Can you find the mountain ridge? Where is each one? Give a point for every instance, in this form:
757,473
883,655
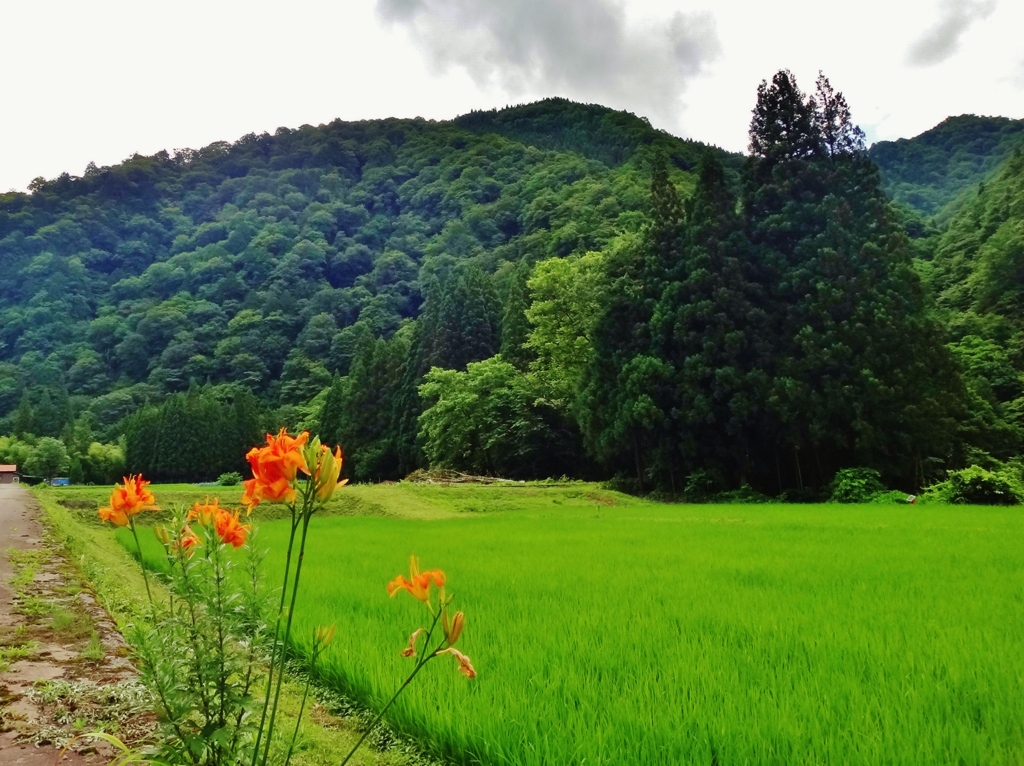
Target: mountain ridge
928,172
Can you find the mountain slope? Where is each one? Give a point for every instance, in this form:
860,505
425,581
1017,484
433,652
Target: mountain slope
931,170
977,274
264,261
979,259
594,131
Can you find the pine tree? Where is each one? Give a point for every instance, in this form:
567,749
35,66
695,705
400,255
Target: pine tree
848,317
24,418
332,414
708,329
623,405
515,328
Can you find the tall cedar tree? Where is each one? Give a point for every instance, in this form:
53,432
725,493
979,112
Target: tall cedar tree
515,329
459,319
853,344
359,409
458,325
172,441
708,328
621,405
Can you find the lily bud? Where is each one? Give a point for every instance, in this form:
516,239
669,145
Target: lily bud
328,468
324,635
162,534
453,631
311,456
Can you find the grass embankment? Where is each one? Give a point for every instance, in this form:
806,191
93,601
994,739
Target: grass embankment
608,630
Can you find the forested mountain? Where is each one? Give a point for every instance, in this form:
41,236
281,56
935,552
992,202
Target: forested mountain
593,131
262,262
549,289
977,274
931,170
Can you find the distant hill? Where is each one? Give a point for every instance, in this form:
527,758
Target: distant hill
262,262
931,170
594,131
978,266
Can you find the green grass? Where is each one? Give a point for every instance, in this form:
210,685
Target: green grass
408,501
11,654
94,649
71,623
609,631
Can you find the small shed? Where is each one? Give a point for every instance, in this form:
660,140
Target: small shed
8,474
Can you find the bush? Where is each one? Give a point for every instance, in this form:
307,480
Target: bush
978,486
890,497
702,484
48,458
805,495
102,464
855,485
230,479
623,483
745,495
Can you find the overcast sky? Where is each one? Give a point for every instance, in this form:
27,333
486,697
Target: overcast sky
98,80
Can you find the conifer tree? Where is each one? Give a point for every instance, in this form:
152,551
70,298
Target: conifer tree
622,405
848,318
24,417
708,328
515,328
329,422
834,123
460,322
406,405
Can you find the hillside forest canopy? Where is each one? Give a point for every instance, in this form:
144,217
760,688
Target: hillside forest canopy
545,290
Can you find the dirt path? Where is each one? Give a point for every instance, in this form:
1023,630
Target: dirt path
63,665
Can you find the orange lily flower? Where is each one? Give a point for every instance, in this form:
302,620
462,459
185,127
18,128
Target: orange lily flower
418,583
127,500
465,666
274,468
229,529
205,512
189,540
118,518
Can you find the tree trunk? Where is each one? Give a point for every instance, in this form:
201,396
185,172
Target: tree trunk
639,468
799,473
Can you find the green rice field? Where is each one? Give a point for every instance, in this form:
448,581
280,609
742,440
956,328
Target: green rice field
608,630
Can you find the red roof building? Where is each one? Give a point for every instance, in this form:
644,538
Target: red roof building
8,474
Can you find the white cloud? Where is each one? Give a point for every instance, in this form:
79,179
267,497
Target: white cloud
99,81
943,39
584,50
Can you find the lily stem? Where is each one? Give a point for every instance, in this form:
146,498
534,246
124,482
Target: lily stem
427,657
